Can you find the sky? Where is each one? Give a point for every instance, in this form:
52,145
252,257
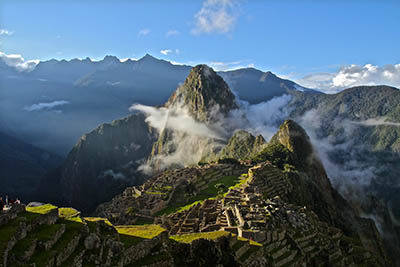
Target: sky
309,41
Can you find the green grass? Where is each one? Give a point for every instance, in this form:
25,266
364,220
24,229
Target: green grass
75,219
96,219
188,238
252,242
142,231
67,212
210,192
43,209
43,233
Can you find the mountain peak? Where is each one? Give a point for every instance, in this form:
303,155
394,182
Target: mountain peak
203,91
148,57
110,59
295,139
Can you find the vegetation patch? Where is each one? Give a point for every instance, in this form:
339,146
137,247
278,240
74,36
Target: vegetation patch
67,212
142,231
43,209
213,191
96,219
189,238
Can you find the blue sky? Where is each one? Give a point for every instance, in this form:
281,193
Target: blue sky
291,38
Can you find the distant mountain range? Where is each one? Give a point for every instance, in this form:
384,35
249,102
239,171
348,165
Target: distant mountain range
63,99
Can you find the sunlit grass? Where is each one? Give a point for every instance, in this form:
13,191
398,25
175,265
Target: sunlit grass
67,212
143,231
188,238
96,219
43,209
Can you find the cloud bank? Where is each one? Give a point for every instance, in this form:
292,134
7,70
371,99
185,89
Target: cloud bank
18,62
353,75
46,105
217,16
6,32
377,122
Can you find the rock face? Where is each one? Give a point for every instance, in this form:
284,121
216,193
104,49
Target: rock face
314,189
242,145
206,98
101,165
204,93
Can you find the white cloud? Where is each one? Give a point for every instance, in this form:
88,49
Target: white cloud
353,75
18,62
166,51
143,32
6,32
177,119
234,65
377,122
216,16
112,174
46,105
172,33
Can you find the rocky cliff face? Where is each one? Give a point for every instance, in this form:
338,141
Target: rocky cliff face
315,190
242,145
204,94
102,164
205,97
359,133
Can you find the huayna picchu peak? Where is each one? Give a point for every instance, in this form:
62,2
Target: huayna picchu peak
202,92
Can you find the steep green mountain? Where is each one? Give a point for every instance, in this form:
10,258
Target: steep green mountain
290,211
207,99
359,135
203,92
101,164
242,145
21,166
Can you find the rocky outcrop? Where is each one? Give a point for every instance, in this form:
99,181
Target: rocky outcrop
207,99
242,145
314,190
101,164
205,94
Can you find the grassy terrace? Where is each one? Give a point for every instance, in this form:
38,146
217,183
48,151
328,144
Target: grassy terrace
67,212
142,231
41,257
43,209
210,192
95,219
131,235
43,233
188,238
